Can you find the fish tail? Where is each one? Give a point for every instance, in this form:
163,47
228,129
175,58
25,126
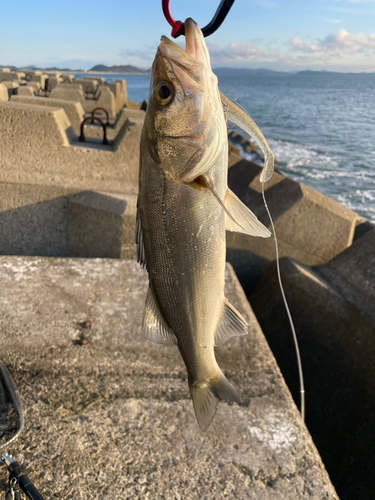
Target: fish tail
206,396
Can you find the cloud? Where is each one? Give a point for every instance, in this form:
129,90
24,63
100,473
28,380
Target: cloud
234,52
146,53
338,21
340,42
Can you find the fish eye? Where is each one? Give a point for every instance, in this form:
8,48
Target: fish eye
163,93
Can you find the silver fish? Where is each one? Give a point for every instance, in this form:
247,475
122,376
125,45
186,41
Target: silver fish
184,208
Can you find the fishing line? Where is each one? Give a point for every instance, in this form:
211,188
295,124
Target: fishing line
299,362
295,340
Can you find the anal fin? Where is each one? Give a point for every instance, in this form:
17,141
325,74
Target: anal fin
245,221
154,325
231,324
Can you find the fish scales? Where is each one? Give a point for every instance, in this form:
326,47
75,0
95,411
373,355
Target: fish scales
183,264
184,209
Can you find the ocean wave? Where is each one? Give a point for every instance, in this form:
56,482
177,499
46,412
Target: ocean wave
328,172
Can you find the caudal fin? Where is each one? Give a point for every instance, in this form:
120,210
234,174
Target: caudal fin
206,396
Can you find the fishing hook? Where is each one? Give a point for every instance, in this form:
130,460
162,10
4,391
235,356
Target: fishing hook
178,27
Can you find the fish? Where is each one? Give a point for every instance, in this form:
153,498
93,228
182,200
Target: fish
183,211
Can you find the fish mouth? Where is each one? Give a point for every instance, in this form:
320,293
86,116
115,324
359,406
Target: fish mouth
192,59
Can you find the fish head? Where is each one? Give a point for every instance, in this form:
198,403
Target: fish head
185,124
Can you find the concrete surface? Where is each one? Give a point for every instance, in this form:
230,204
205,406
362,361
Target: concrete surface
67,78
113,418
310,227
11,75
3,93
99,79
101,226
66,92
33,220
73,110
57,221
12,87
336,339
104,97
25,90
96,131
53,80
65,162
36,77
352,273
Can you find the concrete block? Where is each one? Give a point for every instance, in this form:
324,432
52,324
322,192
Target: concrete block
95,131
66,161
25,91
106,100
4,96
33,220
310,227
36,86
123,89
352,273
88,86
100,225
12,88
68,78
117,90
337,349
32,73
132,105
74,110
52,82
10,76
69,93
118,409
99,79
36,77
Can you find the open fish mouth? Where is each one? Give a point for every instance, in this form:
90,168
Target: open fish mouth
193,59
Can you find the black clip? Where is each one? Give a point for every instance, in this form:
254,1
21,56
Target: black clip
178,27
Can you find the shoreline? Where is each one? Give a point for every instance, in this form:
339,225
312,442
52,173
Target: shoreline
103,73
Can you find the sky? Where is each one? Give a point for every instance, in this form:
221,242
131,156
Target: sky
284,35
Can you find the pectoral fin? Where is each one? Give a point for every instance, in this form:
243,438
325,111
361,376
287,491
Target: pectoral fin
231,324
206,181
245,221
154,325
238,218
244,121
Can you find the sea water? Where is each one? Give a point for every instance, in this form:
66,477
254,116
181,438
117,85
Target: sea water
321,128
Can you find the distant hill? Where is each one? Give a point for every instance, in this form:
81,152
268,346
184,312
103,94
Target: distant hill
33,68
248,72
329,73
125,69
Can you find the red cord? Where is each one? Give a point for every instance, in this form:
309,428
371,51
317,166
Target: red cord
176,25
